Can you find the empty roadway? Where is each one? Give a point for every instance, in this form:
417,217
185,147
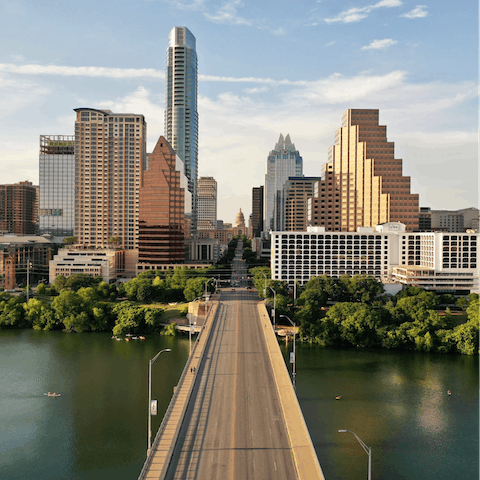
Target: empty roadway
233,427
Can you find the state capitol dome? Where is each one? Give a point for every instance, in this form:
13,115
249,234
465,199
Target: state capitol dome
240,220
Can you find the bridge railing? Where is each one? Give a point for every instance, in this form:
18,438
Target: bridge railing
169,411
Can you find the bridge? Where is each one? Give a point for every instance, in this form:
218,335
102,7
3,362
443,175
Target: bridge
237,416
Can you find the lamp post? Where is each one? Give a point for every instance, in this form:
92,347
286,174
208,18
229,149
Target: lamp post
294,373
29,264
368,451
265,287
206,299
274,306
190,329
150,397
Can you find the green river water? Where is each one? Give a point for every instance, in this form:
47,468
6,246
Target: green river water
395,401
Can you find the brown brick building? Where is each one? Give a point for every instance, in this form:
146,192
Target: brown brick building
162,208
19,208
362,183
296,192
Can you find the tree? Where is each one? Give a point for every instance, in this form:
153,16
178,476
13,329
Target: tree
465,337
472,310
59,283
70,240
145,291
195,288
79,280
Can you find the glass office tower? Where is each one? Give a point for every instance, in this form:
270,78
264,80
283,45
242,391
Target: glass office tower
284,161
57,185
181,116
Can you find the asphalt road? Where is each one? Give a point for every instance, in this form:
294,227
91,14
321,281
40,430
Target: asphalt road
233,427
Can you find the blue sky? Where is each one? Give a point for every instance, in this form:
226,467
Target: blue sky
265,67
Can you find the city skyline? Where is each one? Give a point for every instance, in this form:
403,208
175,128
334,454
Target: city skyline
263,70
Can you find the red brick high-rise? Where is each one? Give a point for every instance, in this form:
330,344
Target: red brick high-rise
19,208
162,207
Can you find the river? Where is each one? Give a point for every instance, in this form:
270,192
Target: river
396,402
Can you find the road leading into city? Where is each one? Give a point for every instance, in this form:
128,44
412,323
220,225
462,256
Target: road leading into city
233,427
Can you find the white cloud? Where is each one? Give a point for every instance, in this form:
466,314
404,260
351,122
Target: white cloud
424,120
418,12
17,94
105,72
341,89
228,14
186,5
380,44
356,14
256,90
34,69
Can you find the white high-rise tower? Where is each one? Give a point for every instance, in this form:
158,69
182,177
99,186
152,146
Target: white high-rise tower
284,161
181,116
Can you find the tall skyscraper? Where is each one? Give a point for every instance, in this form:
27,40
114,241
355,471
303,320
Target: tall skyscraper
57,185
257,212
164,198
19,208
362,183
207,204
181,115
283,161
110,158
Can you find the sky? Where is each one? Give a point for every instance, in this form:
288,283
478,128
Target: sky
265,67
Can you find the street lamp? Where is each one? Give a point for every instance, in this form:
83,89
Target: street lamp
206,299
190,328
265,288
150,407
368,451
274,306
294,373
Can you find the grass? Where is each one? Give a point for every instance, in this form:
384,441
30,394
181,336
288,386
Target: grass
173,311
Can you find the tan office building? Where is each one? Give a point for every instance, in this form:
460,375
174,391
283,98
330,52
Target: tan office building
207,203
362,183
110,159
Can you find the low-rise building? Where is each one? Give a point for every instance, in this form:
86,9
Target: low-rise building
387,252
108,263
19,253
143,267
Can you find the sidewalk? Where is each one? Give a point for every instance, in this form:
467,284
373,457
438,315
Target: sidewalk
304,455
156,464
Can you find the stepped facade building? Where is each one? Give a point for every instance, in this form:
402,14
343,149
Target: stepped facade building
362,183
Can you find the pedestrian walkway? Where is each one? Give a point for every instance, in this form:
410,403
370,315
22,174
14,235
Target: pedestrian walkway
157,459
305,457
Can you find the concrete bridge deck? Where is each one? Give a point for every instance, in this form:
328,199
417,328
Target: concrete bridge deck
238,416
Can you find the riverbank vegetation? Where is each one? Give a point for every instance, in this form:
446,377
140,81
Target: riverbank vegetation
82,303
354,312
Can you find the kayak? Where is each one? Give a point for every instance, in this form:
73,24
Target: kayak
52,394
